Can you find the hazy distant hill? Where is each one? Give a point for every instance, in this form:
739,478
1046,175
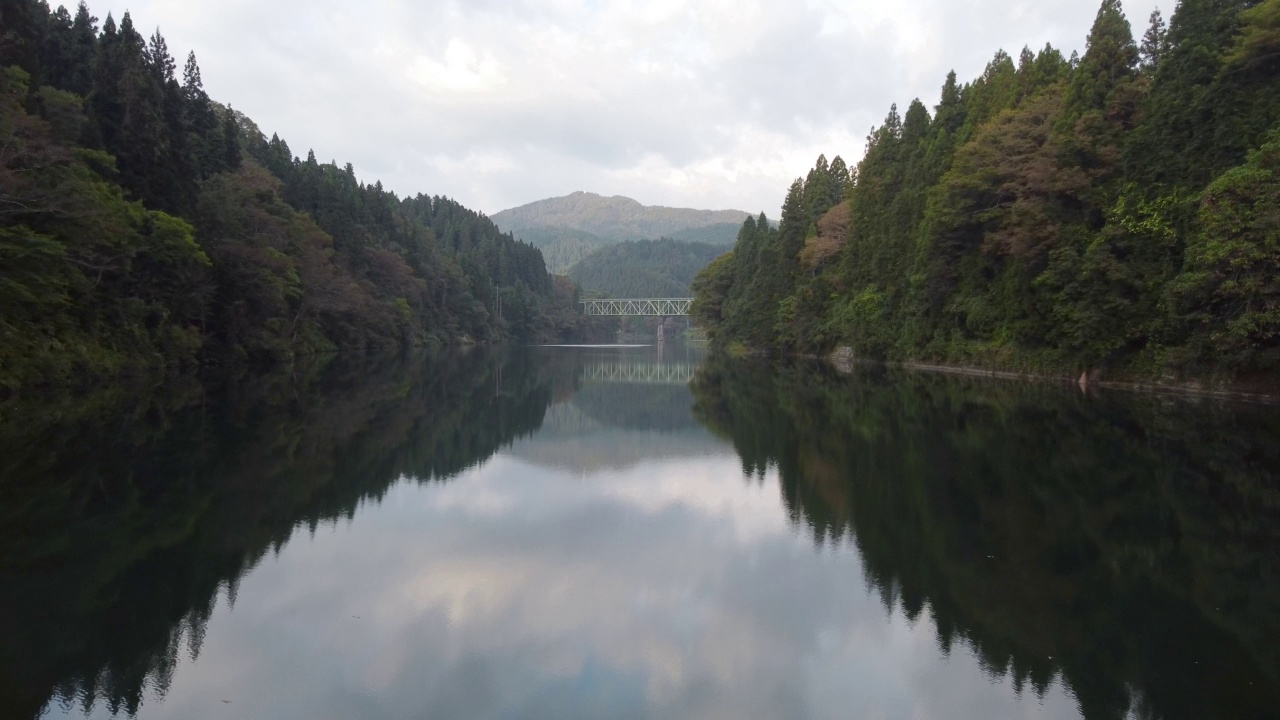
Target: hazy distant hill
612,218
569,228
644,268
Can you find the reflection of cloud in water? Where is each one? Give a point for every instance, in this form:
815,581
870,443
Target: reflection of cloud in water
572,438
671,589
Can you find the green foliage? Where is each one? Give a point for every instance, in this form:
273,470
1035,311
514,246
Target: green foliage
1113,211
711,289
718,234
91,282
143,225
562,247
644,268
1259,39
1155,43
1203,114
1110,60
1229,290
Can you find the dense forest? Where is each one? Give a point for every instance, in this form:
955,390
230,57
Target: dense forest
562,248
1114,211
643,268
142,224
718,234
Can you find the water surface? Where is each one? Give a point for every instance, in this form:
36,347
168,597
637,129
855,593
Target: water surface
634,533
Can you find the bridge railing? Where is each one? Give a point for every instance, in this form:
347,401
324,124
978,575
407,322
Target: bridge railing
638,307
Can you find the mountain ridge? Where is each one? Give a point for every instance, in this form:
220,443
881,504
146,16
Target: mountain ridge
615,217
571,227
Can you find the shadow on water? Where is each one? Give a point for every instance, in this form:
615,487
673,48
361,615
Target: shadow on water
1125,544
1128,544
124,513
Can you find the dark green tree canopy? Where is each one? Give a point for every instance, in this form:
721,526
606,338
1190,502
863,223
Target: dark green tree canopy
1112,211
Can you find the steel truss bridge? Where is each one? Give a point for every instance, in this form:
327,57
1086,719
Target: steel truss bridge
677,373
647,307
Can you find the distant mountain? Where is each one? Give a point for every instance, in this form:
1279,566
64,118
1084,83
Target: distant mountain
569,228
644,268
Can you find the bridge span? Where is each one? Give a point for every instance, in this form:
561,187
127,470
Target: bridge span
638,307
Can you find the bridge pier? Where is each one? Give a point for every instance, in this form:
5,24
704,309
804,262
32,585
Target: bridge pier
662,329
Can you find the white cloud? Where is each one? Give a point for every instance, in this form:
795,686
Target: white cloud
461,70
719,103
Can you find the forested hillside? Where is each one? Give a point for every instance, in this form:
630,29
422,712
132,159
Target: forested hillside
1119,210
569,228
561,247
644,268
613,218
142,224
718,234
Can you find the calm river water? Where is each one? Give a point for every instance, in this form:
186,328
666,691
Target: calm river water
563,533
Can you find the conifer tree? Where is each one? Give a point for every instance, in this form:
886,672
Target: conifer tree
57,58
1200,120
1108,62
22,29
202,122
1155,43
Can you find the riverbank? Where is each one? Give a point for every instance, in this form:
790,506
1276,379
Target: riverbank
843,359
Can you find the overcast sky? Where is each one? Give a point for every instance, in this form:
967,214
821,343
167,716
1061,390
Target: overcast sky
709,104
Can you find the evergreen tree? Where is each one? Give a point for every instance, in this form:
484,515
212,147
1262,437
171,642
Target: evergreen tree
84,46
231,141
1103,211
100,273
1109,61
22,28
1228,295
201,121
1200,120
1258,45
1155,43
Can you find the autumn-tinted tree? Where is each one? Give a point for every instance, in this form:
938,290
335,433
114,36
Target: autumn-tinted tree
1108,211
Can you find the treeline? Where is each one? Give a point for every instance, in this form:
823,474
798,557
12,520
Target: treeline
644,268
142,224
1119,210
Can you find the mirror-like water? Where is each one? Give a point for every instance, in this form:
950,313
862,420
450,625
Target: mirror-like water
575,532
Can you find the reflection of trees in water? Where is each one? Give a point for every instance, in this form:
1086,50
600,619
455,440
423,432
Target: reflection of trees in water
620,403
1125,542
124,513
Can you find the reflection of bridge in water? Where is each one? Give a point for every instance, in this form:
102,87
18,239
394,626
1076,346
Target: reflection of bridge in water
651,373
